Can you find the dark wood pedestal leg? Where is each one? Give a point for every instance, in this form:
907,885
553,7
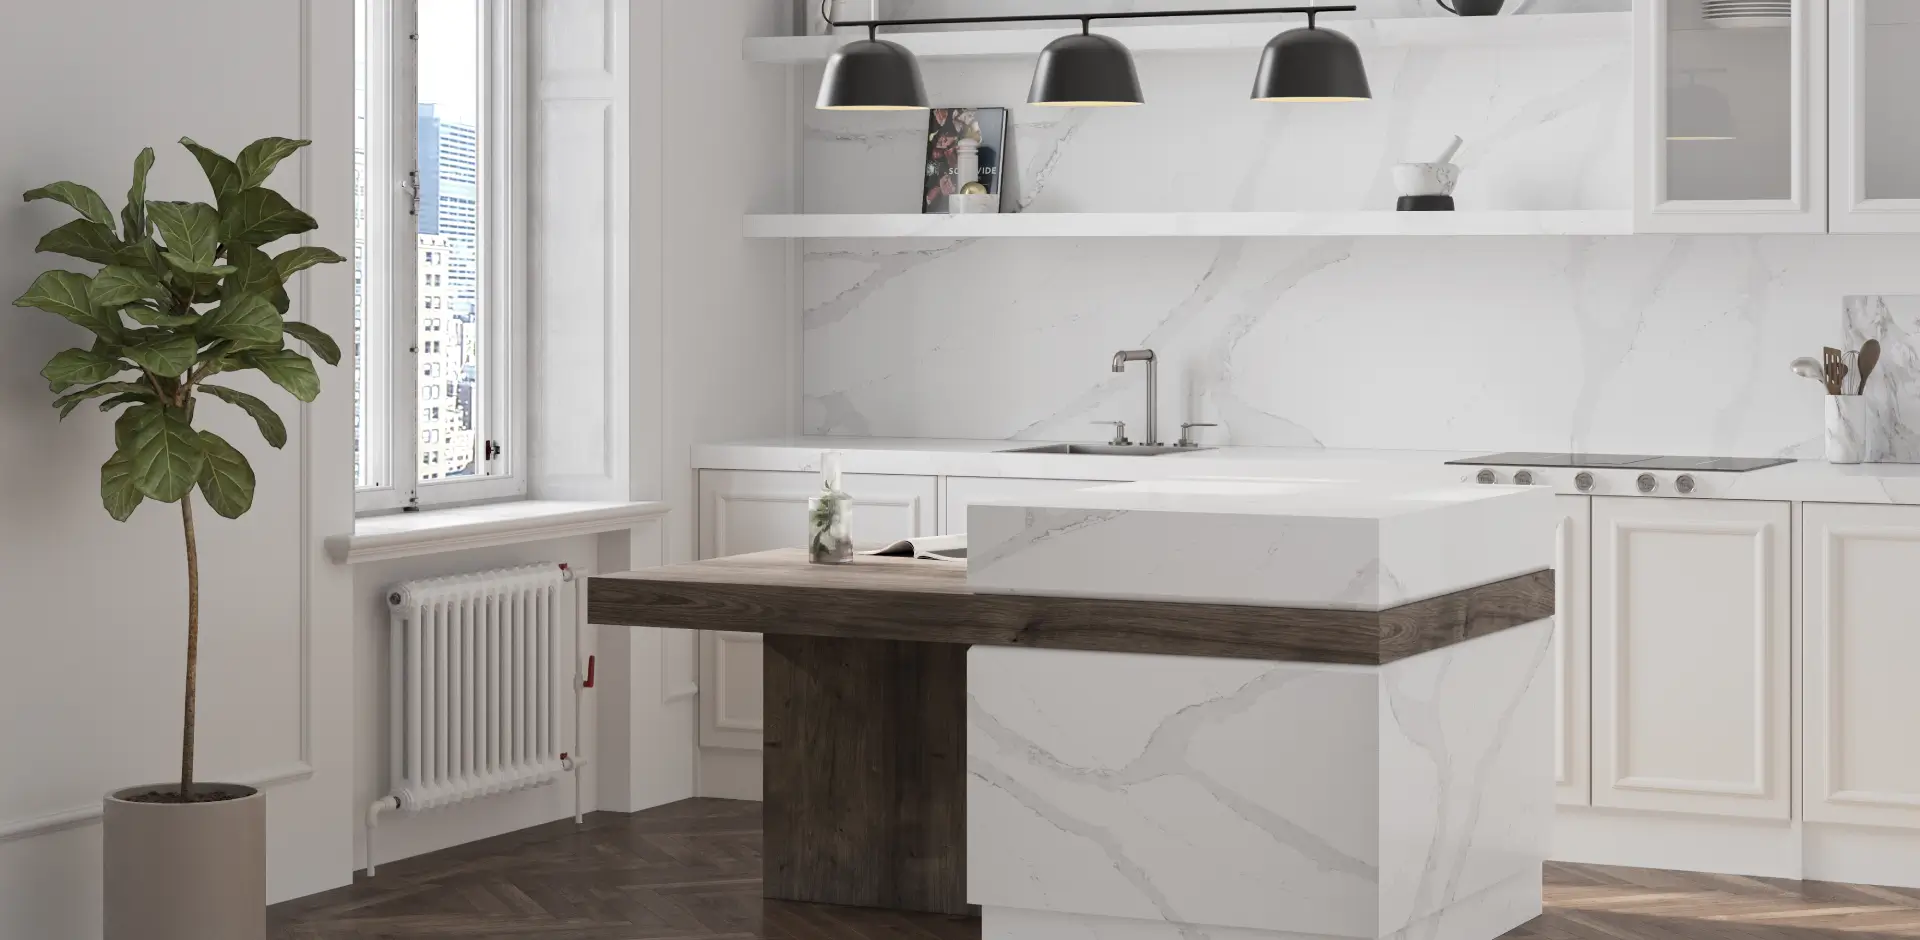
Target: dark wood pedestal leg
865,764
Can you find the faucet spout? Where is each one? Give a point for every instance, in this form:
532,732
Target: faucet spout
1120,360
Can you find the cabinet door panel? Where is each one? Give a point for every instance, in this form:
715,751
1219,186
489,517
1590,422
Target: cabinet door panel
1861,641
1692,628
1730,123
1572,660
965,491
751,511
1874,140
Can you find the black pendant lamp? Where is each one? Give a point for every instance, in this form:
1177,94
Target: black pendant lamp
872,74
1085,71
1311,64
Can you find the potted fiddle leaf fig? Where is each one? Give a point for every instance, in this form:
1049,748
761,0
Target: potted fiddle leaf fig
185,297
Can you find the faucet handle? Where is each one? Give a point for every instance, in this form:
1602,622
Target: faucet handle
1119,433
1187,438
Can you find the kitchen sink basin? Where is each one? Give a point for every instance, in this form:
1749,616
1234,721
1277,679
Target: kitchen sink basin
1107,450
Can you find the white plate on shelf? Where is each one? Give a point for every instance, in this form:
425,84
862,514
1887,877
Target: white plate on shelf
1750,22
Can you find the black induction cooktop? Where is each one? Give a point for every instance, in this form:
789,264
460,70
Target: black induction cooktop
1623,462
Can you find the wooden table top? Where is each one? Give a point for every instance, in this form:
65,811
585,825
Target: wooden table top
779,592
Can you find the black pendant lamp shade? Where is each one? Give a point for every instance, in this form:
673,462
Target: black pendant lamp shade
1311,64
1085,71
872,75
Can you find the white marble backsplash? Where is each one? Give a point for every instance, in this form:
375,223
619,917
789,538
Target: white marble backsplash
1655,344
1632,343
1890,398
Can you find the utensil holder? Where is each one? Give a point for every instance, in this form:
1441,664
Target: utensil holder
1849,428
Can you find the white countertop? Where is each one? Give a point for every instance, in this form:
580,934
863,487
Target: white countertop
1805,481
1355,545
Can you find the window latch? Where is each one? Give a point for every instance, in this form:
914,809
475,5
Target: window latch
492,450
411,185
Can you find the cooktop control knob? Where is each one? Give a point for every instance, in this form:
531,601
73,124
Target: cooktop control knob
1523,477
1583,481
1487,476
1647,483
1684,483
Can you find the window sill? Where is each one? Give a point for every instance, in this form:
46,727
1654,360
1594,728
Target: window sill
406,535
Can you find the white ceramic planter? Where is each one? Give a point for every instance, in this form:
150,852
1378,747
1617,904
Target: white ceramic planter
185,871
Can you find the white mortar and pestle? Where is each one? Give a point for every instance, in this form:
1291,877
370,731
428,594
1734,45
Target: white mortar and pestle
1428,187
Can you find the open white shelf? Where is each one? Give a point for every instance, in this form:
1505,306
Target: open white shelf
1194,224
1528,29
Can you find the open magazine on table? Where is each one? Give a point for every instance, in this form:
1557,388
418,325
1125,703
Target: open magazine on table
931,547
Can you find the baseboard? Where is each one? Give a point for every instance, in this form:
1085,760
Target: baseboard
730,774
1727,846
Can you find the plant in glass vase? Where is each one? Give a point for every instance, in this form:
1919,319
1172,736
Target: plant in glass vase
185,294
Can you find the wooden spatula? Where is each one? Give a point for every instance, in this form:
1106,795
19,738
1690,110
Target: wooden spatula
1869,357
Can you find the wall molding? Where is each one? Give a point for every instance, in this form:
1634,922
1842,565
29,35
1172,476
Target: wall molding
86,815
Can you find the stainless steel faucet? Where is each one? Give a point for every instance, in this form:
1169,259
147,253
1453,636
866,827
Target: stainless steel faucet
1120,360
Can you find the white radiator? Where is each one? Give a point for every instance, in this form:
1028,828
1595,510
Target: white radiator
479,686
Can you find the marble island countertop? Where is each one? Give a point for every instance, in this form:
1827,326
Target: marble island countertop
1805,481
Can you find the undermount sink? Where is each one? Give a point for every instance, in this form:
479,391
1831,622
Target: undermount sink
1107,450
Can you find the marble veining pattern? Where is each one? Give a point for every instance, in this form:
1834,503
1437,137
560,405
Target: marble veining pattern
1231,799
1890,399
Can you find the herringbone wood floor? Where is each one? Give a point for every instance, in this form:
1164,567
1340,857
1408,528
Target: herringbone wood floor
691,871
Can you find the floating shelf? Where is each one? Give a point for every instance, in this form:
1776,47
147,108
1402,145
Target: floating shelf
1525,29
1191,224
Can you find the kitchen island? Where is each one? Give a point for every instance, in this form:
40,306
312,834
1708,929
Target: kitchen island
1253,710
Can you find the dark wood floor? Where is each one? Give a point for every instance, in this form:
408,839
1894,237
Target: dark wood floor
691,871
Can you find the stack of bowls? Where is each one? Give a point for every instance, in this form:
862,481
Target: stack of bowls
1745,14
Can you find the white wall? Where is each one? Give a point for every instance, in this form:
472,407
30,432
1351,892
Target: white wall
95,622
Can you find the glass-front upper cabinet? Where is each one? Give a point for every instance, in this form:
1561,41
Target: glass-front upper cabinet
1875,114
1730,103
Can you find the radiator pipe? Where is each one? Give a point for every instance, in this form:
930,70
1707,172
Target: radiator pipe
381,805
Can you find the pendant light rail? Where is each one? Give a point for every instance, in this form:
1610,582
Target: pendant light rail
1084,19
1528,29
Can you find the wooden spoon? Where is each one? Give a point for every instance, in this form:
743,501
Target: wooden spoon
1869,357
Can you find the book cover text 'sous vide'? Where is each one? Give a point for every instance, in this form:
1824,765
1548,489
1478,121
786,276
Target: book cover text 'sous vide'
946,128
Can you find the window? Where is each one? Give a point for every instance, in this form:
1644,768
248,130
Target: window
439,125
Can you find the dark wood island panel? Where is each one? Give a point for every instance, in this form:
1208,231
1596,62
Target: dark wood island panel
778,592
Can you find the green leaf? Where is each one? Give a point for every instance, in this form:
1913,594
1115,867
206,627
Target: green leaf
260,216
83,239
80,367
190,229
83,200
117,491
195,270
249,321
221,172
71,400
134,216
271,427
142,255
66,293
166,451
147,316
258,160
227,481
166,355
316,340
254,274
304,257
118,400
117,286
289,370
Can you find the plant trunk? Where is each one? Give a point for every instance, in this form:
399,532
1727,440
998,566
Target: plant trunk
193,647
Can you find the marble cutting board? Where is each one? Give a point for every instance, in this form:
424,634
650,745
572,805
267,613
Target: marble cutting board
1893,391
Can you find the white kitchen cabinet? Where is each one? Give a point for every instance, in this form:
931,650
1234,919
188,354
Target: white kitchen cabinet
962,492
1874,139
1861,639
1572,652
1692,656
751,511
1730,123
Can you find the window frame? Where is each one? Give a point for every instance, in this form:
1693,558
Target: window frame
391,343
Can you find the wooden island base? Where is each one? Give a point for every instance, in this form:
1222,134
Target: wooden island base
865,773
